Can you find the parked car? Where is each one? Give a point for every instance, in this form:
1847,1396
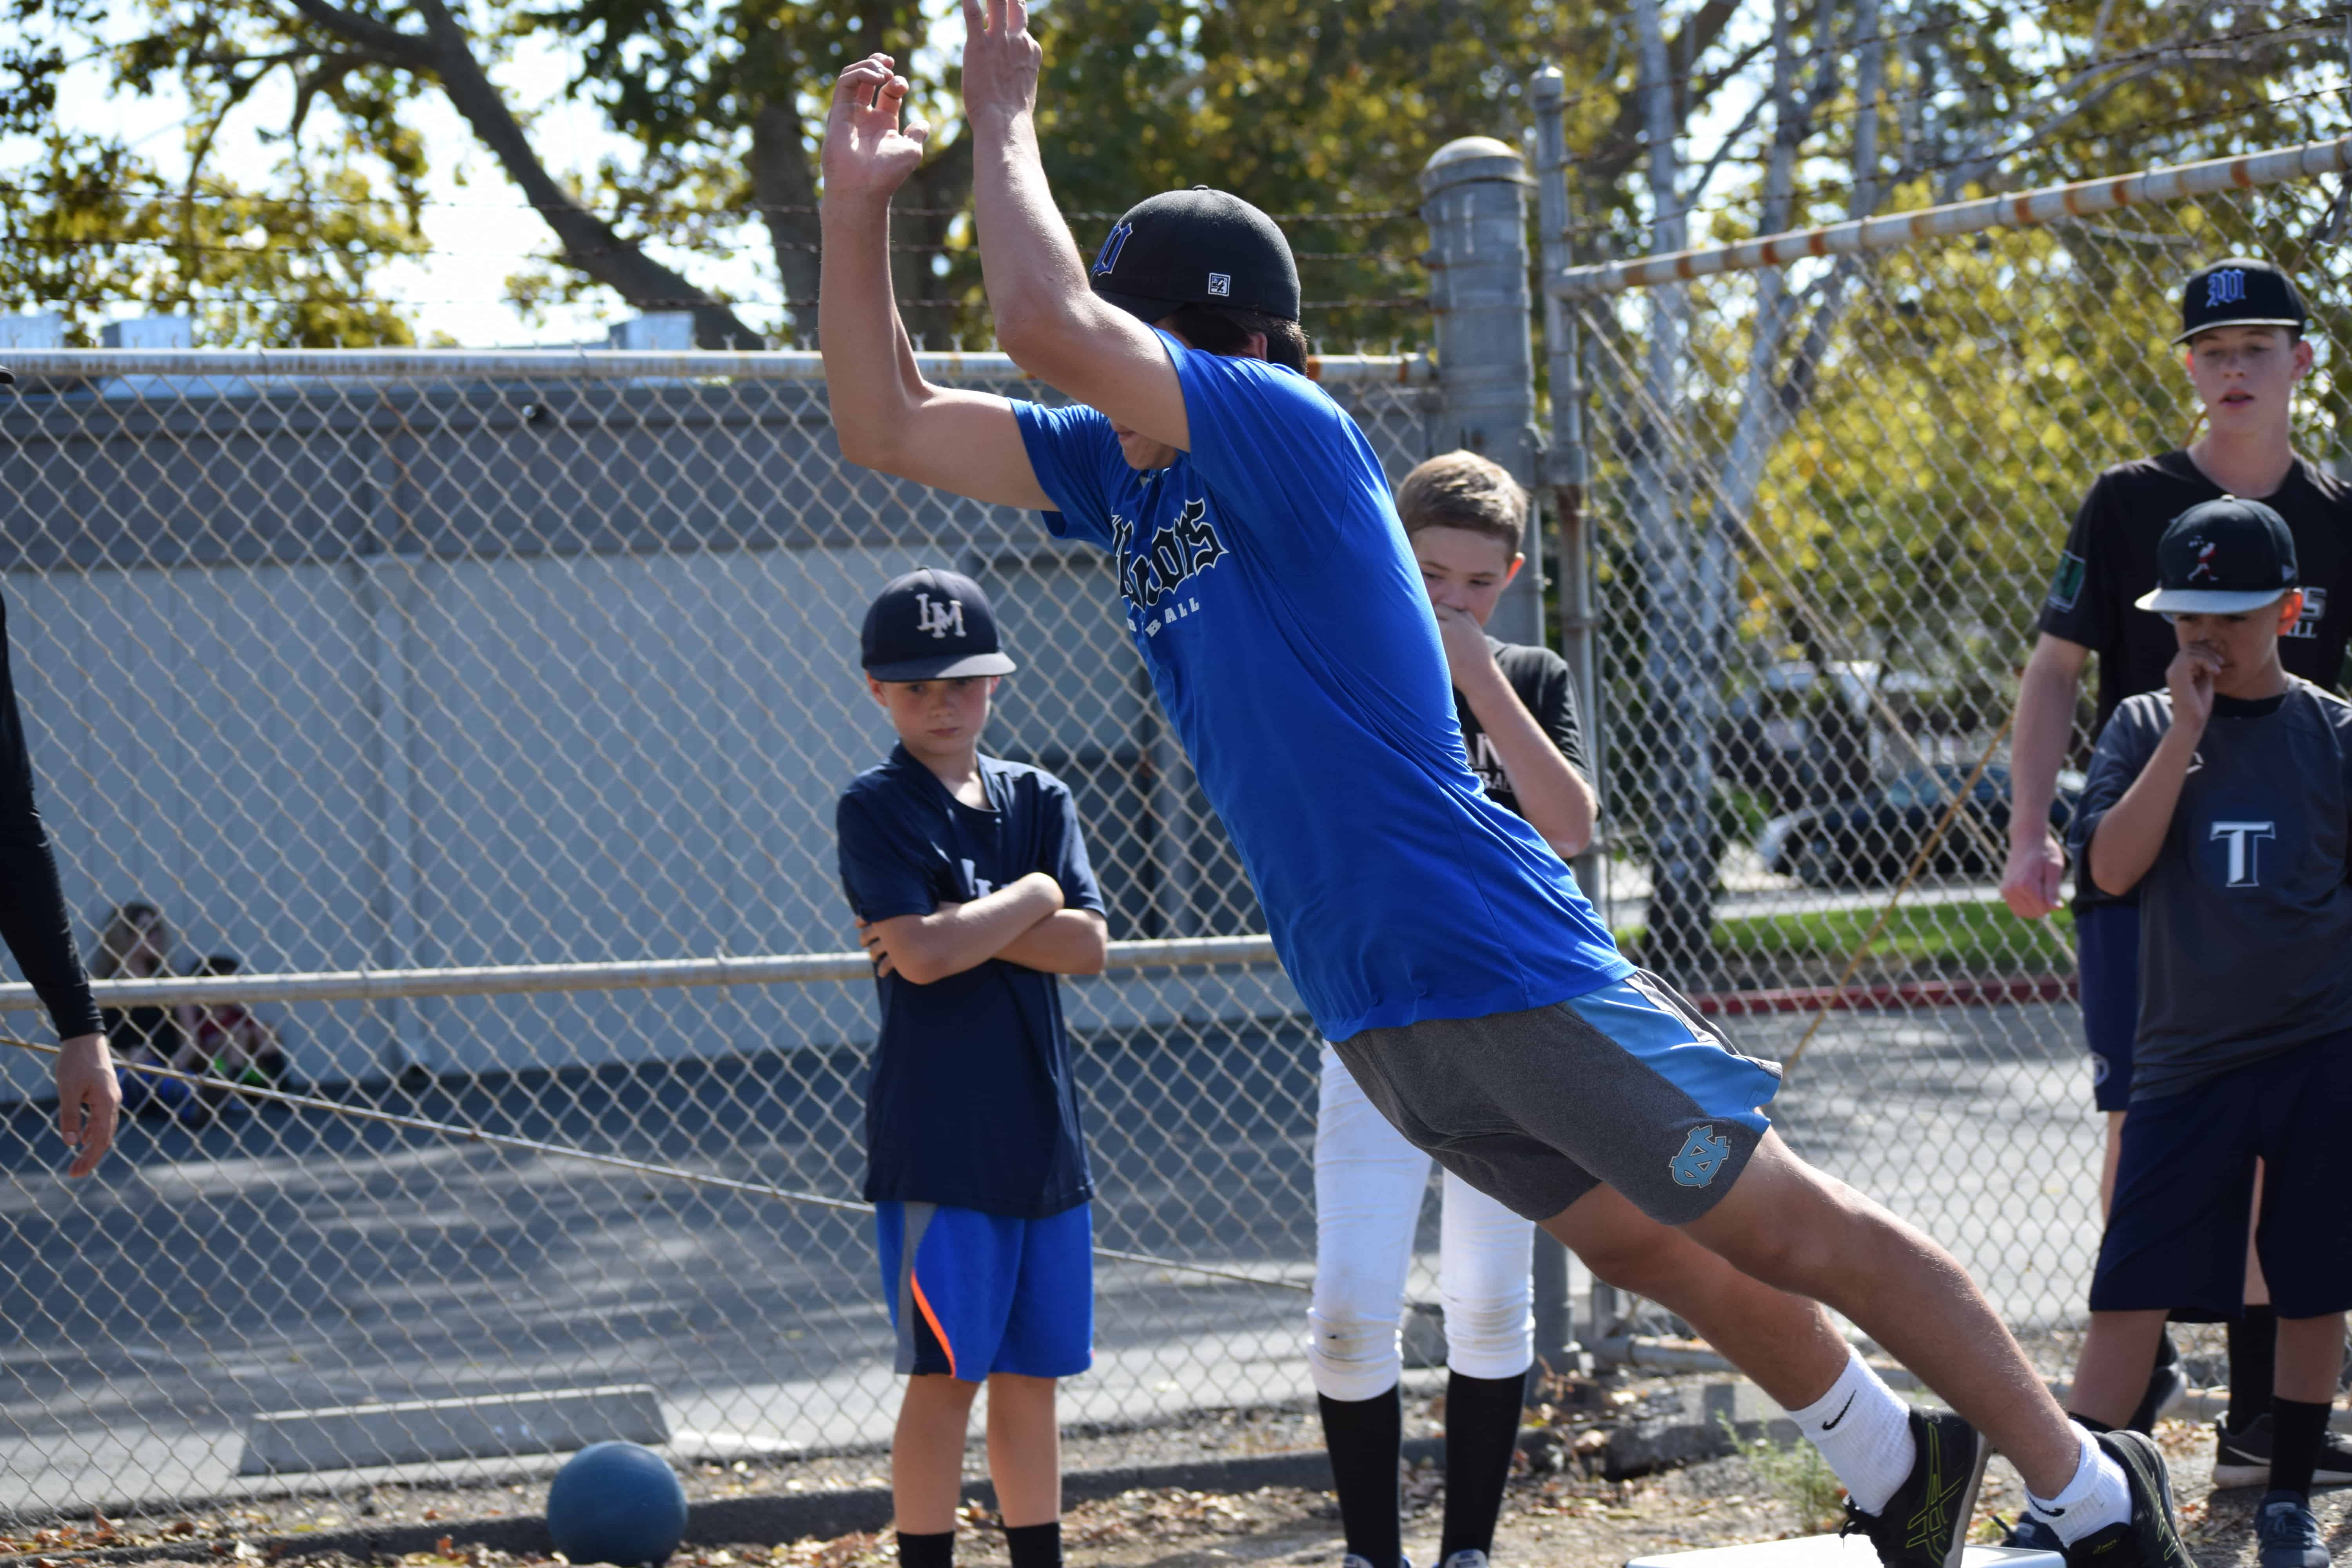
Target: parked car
1872,838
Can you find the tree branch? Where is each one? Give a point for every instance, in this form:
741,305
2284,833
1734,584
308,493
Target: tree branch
386,43
590,245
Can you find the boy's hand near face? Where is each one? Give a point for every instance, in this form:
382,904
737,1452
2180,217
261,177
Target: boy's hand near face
2190,678
1468,658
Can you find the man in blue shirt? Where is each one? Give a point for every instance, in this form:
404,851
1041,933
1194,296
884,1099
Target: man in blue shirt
1440,945
972,891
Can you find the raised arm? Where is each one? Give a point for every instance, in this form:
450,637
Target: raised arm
887,417
1047,318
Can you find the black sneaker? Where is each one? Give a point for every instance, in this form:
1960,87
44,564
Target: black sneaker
2242,1459
2151,1538
2287,1532
2030,1535
1925,1524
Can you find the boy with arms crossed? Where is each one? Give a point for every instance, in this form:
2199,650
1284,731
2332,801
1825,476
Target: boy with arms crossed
972,891
1439,942
2242,323
1464,517
2225,802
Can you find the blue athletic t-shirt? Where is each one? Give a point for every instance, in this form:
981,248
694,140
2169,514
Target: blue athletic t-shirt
970,1103
1270,591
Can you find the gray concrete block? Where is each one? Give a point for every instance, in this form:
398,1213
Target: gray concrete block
1686,1425
489,1424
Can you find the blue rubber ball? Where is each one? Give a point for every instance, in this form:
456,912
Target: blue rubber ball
616,1502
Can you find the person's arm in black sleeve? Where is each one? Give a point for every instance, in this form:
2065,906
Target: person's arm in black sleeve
39,933
2075,619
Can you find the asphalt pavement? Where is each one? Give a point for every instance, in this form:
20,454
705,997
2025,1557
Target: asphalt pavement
297,1260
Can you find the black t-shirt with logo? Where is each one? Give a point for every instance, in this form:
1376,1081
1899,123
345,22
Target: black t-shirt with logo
2251,884
1546,688
2110,560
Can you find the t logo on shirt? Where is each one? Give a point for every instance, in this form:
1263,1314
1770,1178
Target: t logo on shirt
2243,836
937,618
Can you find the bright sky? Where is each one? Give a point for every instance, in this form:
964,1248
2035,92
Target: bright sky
480,231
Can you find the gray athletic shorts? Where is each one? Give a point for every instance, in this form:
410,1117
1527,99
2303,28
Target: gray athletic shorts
1625,1086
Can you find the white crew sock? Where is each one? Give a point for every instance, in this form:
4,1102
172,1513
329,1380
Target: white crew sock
2097,1497
1864,1433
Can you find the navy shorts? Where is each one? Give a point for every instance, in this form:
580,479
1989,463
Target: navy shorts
2107,956
972,1293
2176,1237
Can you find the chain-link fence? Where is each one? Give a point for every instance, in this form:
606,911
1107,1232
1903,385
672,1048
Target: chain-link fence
475,661
1826,502
417,664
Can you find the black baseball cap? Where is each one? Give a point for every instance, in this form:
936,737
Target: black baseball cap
931,625
2239,291
1196,248
2221,557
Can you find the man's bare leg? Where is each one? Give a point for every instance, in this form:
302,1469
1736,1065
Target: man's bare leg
1784,1343
1791,1226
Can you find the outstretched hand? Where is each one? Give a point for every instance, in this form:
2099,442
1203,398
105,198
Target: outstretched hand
1000,60
866,153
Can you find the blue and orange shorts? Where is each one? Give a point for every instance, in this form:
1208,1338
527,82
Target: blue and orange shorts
972,1293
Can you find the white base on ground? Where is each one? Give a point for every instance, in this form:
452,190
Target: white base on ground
1832,1551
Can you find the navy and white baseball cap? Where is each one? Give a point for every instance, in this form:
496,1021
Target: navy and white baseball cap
2221,557
931,625
2239,291
1196,248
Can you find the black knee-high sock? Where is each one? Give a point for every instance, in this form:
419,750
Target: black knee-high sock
1481,1428
1363,1436
1035,1545
2159,1383
2298,1431
2253,1366
927,1551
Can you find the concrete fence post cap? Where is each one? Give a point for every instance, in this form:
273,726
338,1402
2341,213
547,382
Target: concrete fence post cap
1468,158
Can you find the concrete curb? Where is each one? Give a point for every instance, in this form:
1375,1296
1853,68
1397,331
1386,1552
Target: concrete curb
777,1517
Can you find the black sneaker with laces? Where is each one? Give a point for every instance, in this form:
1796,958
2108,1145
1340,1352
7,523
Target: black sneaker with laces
2287,1534
2242,1459
2151,1536
1926,1522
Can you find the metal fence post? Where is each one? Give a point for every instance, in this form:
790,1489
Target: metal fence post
1565,474
1475,200
1474,194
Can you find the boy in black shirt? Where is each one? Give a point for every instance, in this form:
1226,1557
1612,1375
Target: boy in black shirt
2226,802
2241,321
972,891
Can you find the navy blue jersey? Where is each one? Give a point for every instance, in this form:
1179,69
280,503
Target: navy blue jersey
1270,591
971,1102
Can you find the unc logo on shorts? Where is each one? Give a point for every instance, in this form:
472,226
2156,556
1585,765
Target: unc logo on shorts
1701,1158
2227,286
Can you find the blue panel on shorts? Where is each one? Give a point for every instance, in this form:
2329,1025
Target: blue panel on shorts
1721,1082
972,1294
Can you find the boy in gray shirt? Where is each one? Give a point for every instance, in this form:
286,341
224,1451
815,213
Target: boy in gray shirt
2225,801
